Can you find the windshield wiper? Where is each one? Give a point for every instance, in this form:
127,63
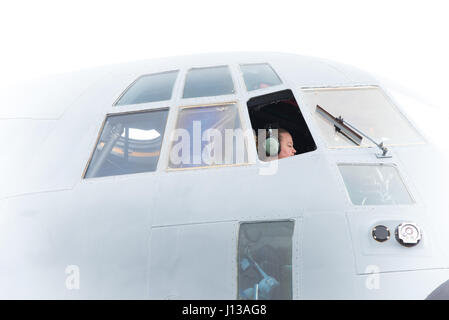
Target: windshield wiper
350,132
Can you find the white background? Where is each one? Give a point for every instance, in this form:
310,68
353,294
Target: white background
402,42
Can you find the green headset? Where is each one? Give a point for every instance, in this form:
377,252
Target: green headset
272,146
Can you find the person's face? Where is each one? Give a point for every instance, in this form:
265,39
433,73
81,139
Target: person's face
287,149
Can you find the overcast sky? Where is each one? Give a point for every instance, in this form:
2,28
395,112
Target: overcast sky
403,42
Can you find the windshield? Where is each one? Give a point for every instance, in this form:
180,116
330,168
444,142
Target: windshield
374,184
368,109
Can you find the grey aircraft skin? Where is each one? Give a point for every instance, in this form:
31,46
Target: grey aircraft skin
182,232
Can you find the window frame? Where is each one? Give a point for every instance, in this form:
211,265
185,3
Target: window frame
100,131
178,71
376,164
231,74
294,247
205,105
254,64
305,116
388,98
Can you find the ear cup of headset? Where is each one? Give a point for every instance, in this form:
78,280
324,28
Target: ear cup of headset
272,146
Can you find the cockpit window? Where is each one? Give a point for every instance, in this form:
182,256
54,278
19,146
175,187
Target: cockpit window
374,184
279,126
208,136
149,88
129,143
366,108
265,260
259,76
203,82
